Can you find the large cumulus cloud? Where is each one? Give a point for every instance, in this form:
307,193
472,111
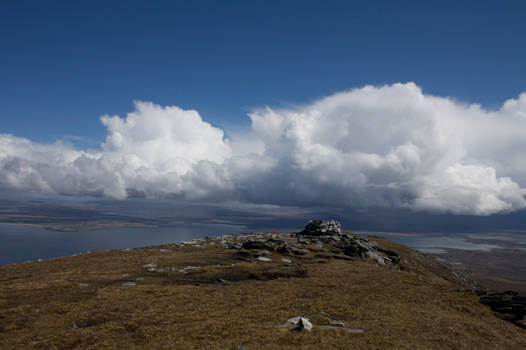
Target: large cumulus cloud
389,146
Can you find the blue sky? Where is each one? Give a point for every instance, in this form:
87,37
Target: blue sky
64,64
411,105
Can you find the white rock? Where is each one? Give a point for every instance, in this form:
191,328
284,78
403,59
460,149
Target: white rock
262,258
301,323
295,320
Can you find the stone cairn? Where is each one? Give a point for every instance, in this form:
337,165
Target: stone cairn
322,228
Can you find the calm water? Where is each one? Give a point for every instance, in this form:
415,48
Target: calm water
20,243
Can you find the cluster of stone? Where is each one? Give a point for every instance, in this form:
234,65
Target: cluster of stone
321,228
509,306
318,233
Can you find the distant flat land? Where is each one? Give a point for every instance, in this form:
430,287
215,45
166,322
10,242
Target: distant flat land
64,218
497,269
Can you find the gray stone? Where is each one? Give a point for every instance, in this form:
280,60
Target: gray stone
262,258
337,323
299,251
349,330
263,253
257,245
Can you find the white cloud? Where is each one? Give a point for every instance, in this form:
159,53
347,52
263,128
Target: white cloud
389,146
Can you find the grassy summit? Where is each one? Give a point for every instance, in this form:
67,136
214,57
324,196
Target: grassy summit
222,294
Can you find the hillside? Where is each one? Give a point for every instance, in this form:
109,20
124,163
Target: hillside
238,291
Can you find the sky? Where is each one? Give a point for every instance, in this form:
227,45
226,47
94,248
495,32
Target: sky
406,105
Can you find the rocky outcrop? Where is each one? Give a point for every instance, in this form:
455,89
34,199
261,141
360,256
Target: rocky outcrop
509,306
317,234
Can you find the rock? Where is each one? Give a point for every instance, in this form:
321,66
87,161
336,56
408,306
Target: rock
325,234
129,284
223,282
349,330
359,248
265,259
285,250
263,253
337,323
301,323
351,248
257,245
298,251
273,241
288,261
322,228
509,306
189,268
393,256
375,256
164,269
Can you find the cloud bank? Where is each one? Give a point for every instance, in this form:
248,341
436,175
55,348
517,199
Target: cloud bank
389,146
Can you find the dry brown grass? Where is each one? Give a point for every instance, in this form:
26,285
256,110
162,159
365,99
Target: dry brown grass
413,308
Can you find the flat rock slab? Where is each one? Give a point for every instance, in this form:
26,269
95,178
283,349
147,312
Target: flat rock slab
349,330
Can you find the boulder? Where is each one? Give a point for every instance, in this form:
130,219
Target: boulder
301,323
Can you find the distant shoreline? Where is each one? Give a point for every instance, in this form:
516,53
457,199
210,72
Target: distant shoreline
80,226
